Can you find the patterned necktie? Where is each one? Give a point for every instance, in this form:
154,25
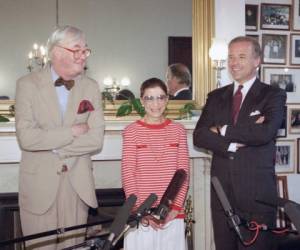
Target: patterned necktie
236,104
68,84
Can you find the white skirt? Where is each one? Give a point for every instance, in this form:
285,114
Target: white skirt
146,238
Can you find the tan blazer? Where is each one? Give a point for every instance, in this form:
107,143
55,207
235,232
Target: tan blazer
47,143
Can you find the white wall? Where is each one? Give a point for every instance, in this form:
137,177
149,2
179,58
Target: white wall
230,22
127,37
22,22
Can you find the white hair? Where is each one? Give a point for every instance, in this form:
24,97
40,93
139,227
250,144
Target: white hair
65,34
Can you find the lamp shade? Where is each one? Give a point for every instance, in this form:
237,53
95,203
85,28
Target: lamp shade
125,81
108,81
218,50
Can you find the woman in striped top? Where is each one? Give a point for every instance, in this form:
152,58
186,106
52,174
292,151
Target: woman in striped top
153,149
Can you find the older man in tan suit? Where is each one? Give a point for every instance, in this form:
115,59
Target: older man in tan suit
59,124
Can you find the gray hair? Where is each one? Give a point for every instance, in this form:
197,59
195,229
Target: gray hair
63,34
254,43
181,72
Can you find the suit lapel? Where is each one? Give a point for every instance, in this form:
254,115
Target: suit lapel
250,101
226,106
48,92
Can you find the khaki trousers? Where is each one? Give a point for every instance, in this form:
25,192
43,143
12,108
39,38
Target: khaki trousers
67,210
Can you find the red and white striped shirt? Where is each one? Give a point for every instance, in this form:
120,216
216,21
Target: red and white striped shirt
151,155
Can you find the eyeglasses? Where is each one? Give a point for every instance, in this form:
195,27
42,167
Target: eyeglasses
159,98
78,53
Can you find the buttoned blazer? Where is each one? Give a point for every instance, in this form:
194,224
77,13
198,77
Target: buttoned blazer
247,174
46,140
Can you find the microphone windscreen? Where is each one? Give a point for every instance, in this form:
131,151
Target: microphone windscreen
173,187
143,208
292,209
122,215
221,194
147,204
270,200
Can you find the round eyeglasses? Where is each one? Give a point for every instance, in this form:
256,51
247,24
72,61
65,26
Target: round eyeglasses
78,53
159,98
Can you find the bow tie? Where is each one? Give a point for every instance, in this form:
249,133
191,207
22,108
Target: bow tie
68,84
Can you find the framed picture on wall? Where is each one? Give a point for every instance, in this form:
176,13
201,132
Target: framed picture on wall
295,49
274,48
284,78
293,118
296,15
282,190
282,131
298,155
275,16
285,156
251,17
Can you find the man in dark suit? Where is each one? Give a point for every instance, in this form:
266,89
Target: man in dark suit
239,124
179,82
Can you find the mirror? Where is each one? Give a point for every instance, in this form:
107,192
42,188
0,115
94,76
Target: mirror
127,38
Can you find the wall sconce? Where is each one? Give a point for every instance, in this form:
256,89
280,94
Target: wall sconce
218,53
112,86
37,57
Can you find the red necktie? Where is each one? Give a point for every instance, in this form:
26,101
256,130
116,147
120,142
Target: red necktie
68,84
237,100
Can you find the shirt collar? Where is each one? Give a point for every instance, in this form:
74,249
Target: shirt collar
246,85
179,90
54,75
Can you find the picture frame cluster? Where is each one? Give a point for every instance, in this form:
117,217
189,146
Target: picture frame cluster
277,28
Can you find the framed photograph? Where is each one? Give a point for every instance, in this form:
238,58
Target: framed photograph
274,48
296,15
298,155
282,190
295,49
275,16
285,160
294,118
284,78
251,17
282,131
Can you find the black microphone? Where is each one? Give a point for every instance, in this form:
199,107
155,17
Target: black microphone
144,209
271,200
140,212
234,220
120,220
292,209
169,195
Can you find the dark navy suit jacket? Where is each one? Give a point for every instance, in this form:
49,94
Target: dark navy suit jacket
248,173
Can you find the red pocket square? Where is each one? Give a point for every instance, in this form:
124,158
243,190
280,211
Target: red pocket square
85,106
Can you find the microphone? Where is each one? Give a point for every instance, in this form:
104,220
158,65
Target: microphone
292,209
140,212
271,200
120,220
234,220
170,194
144,208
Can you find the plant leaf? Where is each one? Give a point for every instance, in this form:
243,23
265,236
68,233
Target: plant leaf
138,107
3,119
187,108
124,109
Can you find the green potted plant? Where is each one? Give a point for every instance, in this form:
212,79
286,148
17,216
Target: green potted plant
186,111
3,119
128,106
